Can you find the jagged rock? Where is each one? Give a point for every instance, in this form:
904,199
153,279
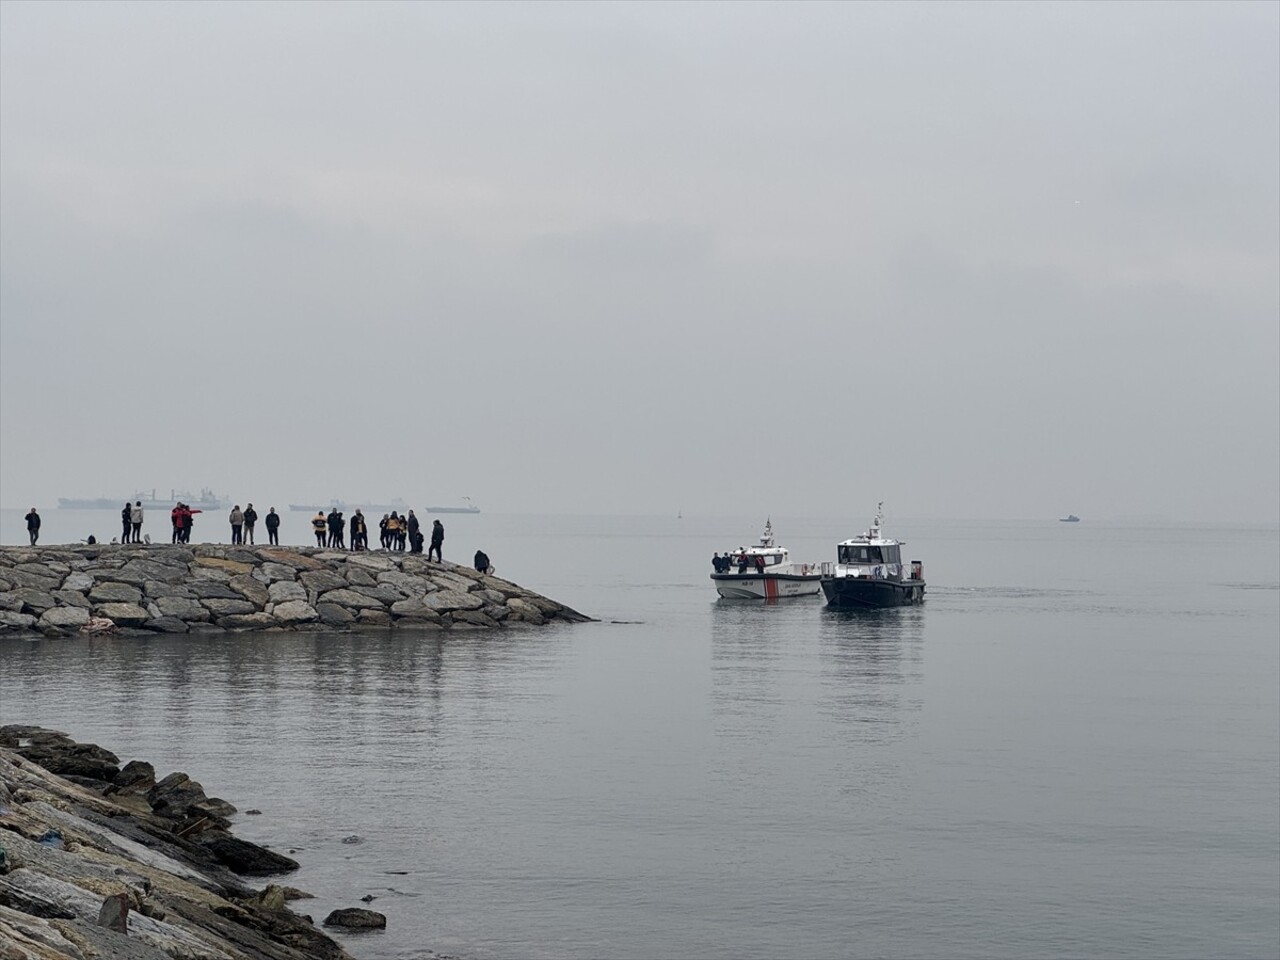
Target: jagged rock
524,611
167,625
406,583
319,581
182,608
447,600
124,614
233,567
157,589
274,572
11,601
212,590
108,592
246,858
250,589
71,598
114,914
227,608
291,558
44,583
151,570
136,776
77,581
358,577
63,618
248,621
375,618
174,795
282,591
356,918
415,608
334,615
294,611
349,598
34,601
474,617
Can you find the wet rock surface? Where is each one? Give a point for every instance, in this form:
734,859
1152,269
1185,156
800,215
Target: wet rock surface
123,866
153,588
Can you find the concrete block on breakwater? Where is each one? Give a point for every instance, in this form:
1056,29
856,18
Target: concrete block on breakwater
203,588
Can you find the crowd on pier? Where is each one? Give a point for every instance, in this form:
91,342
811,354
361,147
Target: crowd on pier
396,531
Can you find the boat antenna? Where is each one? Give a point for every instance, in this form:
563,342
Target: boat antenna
875,527
766,539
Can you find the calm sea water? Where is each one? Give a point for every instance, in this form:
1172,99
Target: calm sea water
1073,749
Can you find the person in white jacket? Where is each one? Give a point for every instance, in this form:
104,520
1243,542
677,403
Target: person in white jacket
135,521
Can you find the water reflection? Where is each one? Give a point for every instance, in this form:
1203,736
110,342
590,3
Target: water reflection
872,668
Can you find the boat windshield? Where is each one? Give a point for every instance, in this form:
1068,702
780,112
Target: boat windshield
867,554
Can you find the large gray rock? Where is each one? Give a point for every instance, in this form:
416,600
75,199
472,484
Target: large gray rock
349,598
115,593
123,614
382,592
445,600
157,588
276,571
248,621
371,562
167,625
524,611
213,590
9,600
35,581
11,620
356,918
34,601
406,583
63,618
415,609
294,611
319,581
145,570
71,598
227,608
359,577
182,608
77,581
250,589
334,615
283,591
375,618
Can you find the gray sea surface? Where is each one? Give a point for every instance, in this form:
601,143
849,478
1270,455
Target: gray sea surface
1072,749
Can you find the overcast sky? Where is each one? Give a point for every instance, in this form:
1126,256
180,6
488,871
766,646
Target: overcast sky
974,260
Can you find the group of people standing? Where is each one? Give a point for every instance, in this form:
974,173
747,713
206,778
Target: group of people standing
395,531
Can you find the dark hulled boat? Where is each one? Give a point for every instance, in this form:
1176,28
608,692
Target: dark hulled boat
869,572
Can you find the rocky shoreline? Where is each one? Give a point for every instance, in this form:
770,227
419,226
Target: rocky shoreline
99,860
210,588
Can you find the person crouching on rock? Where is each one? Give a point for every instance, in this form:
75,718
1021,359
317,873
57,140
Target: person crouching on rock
482,562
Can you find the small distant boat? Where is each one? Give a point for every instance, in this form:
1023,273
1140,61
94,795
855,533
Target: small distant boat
1069,518
342,506
764,572
205,500
469,508
868,572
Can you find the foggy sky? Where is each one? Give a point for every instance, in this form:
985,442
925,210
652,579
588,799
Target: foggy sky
972,260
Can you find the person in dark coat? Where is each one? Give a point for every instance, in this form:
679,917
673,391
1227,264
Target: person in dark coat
359,531
33,525
412,525
437,540
482,561
272,520
250,518
335,527
126,522
188,521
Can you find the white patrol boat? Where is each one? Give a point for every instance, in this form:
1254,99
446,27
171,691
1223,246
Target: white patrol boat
763,572
869,572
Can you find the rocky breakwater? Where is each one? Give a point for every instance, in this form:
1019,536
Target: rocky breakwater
105,861
61,590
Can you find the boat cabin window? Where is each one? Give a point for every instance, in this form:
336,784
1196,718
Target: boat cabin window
866,555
